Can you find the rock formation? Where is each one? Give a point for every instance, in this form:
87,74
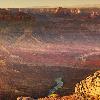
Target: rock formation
89,87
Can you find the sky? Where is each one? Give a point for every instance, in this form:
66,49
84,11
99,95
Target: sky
47,3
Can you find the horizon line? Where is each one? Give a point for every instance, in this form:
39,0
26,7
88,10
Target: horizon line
51,7
72,6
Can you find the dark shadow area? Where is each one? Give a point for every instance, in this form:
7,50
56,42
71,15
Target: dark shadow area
35,81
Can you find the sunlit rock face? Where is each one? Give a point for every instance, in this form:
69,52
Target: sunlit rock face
89,86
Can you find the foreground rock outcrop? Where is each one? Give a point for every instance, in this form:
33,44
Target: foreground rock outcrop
89,87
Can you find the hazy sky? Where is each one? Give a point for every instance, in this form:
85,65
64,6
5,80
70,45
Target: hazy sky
47,3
